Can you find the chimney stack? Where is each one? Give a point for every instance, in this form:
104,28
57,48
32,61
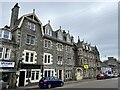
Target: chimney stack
14,16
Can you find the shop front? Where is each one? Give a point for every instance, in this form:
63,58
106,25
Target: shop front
29,74
8,73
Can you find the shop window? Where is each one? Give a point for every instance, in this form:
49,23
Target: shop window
37,75
49,72
33,75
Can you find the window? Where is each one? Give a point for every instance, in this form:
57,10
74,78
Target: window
1,52
33,75
48,32
47,44
5,53
68,38
5,34
68,48
59,47
37,75
59,60
60,36
30,40
31,26
49,72
29,57
47,58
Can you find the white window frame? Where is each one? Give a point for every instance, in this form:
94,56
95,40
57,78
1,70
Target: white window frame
31,25
46,44
30,39
39,75
29,57
3,33
60,36
4,52
59,47
52,72
60,62
48,32
9,52
47,54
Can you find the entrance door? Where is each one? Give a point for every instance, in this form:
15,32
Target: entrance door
60,74
21,78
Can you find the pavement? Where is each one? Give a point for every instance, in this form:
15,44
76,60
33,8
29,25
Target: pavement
67,82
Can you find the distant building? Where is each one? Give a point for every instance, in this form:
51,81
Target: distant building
105,68
113,63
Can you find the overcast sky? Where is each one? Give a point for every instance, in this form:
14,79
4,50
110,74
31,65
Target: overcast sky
93,22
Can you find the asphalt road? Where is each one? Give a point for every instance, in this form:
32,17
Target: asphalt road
107,83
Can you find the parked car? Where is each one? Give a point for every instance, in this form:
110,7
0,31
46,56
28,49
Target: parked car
107,76
4,84
100,76
48,82
115,75
118,74
111,75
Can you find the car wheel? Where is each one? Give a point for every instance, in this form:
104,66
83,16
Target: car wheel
49,85
61,84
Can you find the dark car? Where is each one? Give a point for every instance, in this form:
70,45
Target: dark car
48,82
4,84
107,76
100,76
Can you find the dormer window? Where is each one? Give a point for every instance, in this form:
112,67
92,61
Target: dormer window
31,26
60,36
5,34
68,39
48,32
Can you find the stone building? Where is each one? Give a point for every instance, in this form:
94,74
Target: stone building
7,56
58,53
37,50
86,60
27,34
113,63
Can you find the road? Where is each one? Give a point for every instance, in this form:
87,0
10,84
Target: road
107,83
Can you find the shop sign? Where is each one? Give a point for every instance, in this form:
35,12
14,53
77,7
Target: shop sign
86,66
7,64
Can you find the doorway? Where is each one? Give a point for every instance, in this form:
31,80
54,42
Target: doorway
21,78
60,74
